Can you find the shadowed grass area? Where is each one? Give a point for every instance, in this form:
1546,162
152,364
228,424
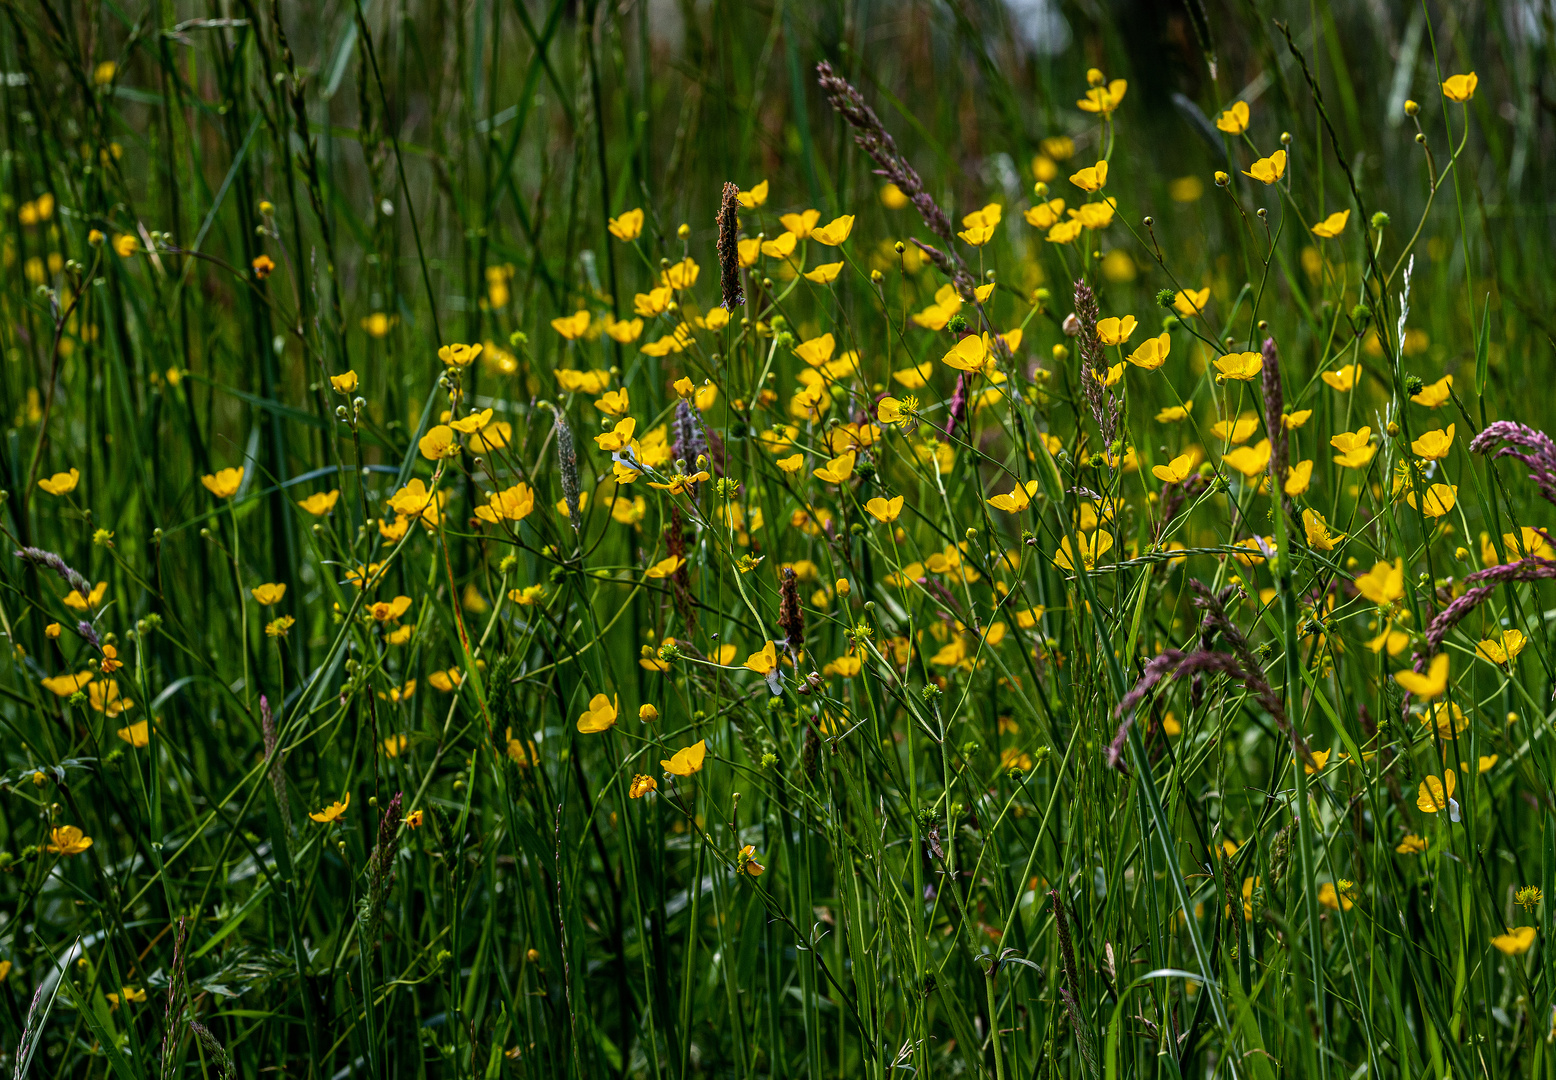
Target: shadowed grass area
1046,575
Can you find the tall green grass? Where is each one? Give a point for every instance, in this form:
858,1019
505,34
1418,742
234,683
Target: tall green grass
935,846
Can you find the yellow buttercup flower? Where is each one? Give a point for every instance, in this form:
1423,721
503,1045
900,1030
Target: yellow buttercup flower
344,383
1435,393
619,437
1174,413
1175,471
1438,501
687,760
978,235
1045,215
1298,478
472,423
1318,535
268,593
764,662
834,232
1504,649
799,225
1434,795
627,227
1293,420
1234,119
65,685
440,442
94,598
816,351
510,504
970,354
1240,367
614,403
459,356
753,197
1092,548
665,567
886,510
572,327
1152,353
825,274
138,734
1434,445
781,246
1342,379
69,840
332,811
320,503
1251,461
893,197
1187,302
601,715
1517,940
1018,499
1411,845
1384,583
1333,225
838,470
1433,684
224,483
1103,99
1116,331
1268,170
1093,178
1460,88
62,483
624,331
1355,448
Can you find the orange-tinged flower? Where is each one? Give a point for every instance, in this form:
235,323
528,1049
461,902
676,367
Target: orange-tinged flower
62,483
332,811
415,819
641,786
746,863
69,840
600,716
225,482
687,760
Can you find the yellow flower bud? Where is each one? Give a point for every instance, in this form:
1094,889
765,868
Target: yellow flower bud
648,714
1222,179
1412,107
843,587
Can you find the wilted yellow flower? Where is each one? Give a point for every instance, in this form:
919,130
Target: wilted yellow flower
641,786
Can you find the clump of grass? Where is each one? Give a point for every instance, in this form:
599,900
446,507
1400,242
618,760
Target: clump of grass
1009,592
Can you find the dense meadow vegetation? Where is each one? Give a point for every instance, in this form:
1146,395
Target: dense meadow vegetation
800,538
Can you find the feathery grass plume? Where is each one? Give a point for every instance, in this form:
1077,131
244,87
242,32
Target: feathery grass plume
1070,992
89,632
177,994
1094,365
380,873
1483,583
791,620
267,727
875,140
689,444
225,1067
39,557
1540,456
1240,664
567,467
1274,406
729,248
